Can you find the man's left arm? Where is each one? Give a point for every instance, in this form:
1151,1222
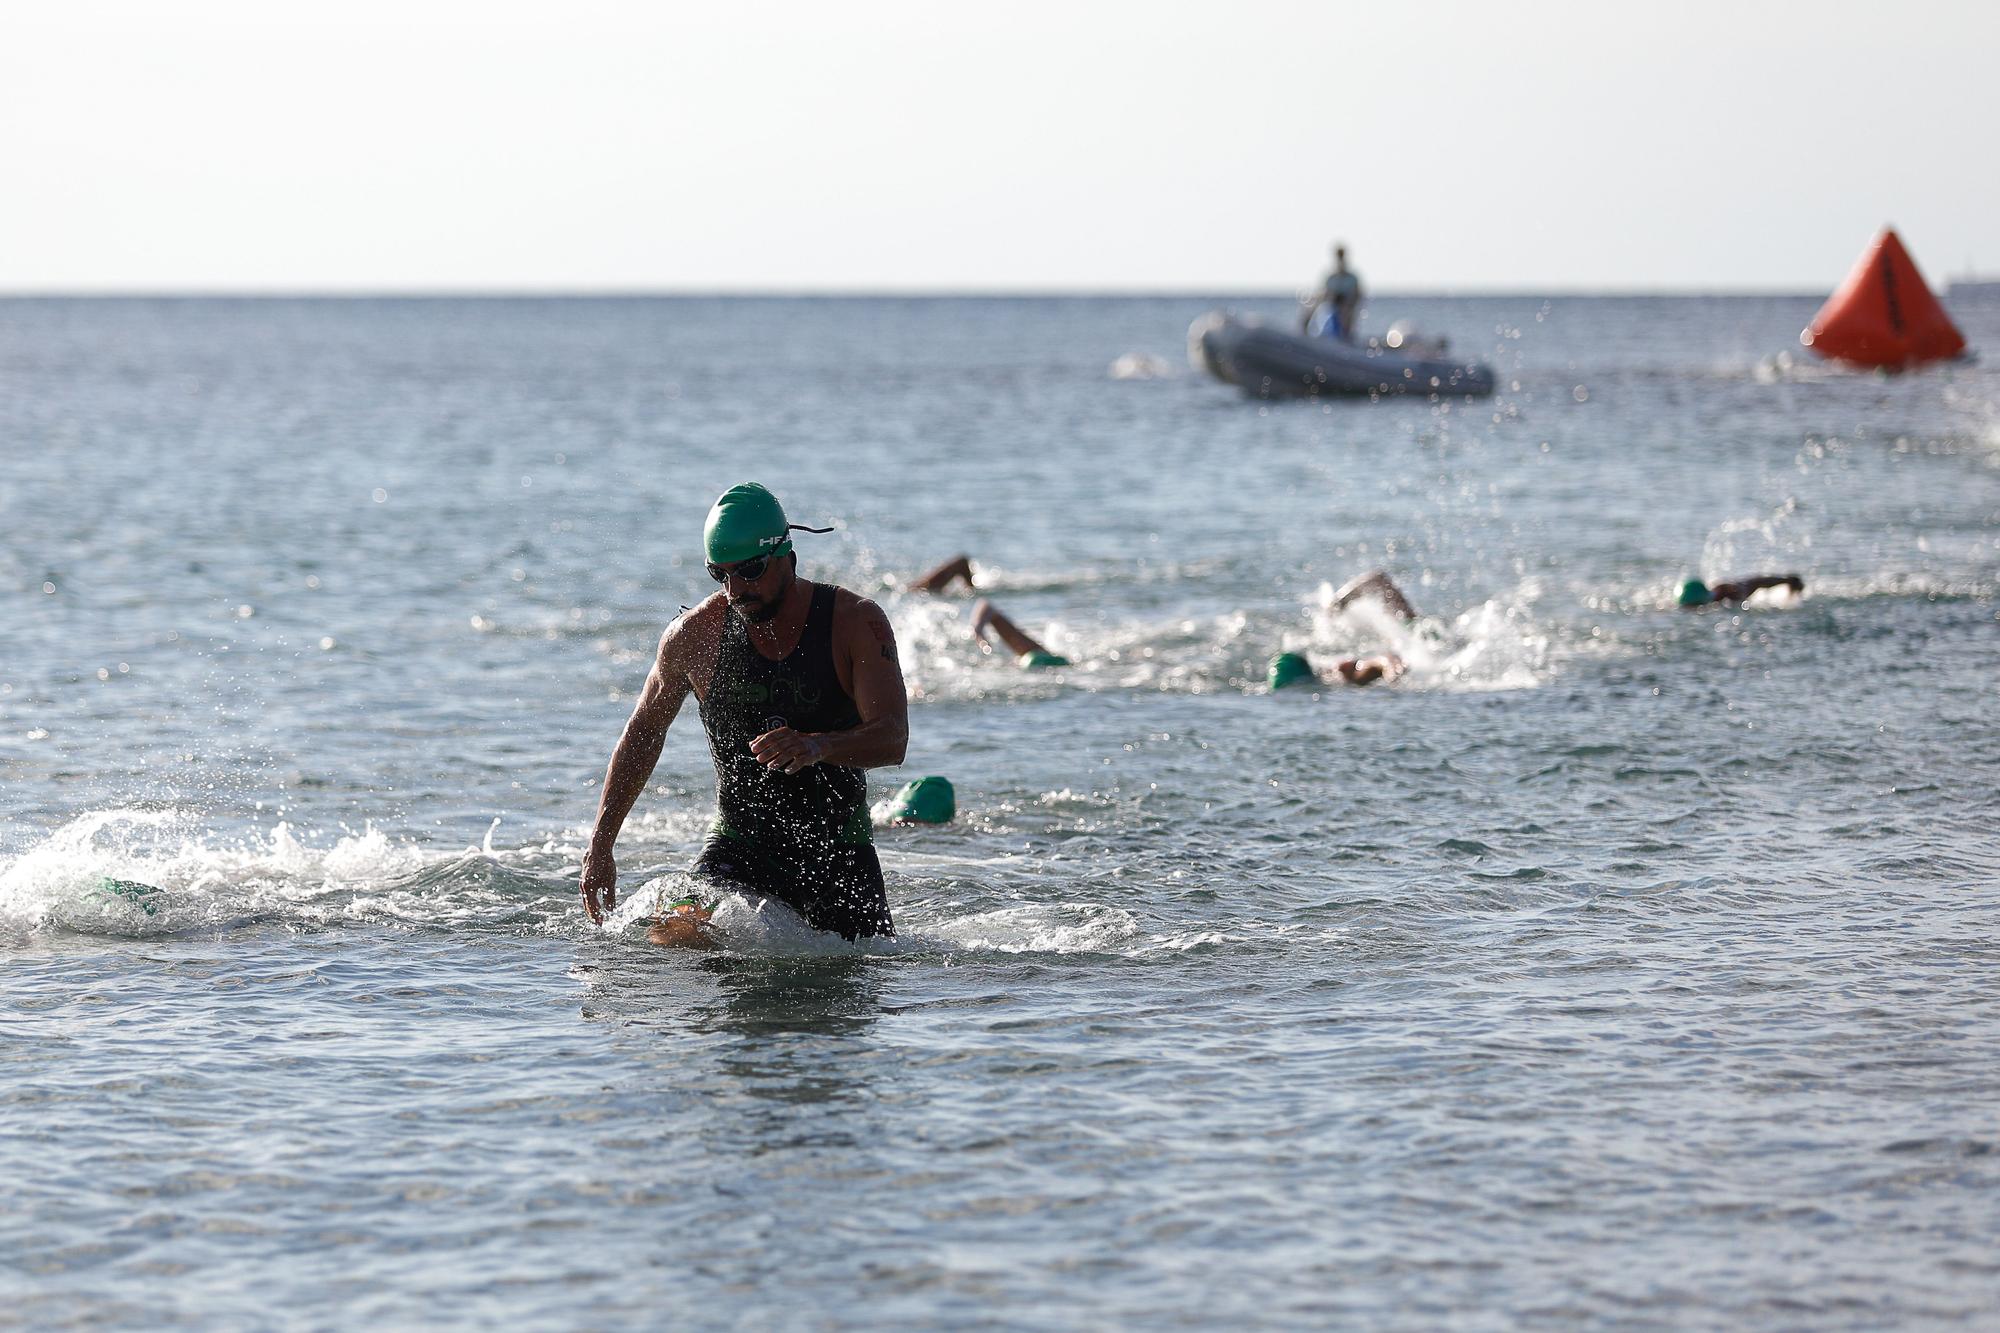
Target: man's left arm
863,639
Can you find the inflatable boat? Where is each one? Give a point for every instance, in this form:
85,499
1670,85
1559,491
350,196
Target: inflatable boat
1270,362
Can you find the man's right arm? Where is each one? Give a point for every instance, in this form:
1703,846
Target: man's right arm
632,765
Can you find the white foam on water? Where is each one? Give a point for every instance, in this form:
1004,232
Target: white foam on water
1180,654
1492,646
1059,928
1244,933
199,879
748,923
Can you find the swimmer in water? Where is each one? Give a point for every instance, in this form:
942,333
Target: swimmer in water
1734,593
926,800
1029,651
939,580
1294,668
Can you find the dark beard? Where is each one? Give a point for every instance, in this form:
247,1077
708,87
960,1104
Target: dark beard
764,612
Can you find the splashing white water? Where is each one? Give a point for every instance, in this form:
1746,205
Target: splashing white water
194,879
1491,646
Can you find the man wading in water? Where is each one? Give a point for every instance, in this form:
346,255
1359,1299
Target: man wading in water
799,691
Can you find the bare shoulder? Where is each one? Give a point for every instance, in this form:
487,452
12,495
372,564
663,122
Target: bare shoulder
852,609
848,603
693,635
861,621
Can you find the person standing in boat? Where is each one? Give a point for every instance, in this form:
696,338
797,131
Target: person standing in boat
1334,309
800,692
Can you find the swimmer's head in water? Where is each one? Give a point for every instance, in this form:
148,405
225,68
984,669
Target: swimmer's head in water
1695,593
1038,659
926,801
1289,669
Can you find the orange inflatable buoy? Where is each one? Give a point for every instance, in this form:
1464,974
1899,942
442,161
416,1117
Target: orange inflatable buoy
1884,316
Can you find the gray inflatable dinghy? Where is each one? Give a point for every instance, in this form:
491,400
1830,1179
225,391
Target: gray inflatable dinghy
1270,362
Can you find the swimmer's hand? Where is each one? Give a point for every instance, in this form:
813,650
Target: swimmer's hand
787,751
600,884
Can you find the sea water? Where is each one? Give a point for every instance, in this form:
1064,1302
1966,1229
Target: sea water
1618,966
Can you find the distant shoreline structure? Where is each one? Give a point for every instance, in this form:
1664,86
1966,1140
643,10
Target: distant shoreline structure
1969,285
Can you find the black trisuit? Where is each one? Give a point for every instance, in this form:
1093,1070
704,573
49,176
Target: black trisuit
803,838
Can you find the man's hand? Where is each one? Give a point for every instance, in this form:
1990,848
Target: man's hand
600,884
786,750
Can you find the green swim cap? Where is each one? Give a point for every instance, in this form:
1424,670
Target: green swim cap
132,891
745,523
1289,669
1032,661
925,801
1695,593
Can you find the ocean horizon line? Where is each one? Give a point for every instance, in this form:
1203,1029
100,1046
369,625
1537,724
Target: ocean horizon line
870,294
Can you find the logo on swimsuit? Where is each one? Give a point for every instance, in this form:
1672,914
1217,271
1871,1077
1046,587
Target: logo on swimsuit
797,693
781,691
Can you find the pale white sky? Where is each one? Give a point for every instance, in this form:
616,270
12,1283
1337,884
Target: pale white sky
225,145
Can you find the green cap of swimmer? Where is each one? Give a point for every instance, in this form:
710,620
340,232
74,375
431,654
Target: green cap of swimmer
132,891
926,801
1694,593
1289,669
746,522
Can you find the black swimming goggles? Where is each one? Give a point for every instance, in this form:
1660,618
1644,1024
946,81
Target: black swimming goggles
748,570
753,569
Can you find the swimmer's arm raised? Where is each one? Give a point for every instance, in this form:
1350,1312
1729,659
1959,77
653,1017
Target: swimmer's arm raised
632,763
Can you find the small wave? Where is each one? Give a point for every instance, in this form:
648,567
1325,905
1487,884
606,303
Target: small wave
193,881
1142,366
1061,928
137,873
747,923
